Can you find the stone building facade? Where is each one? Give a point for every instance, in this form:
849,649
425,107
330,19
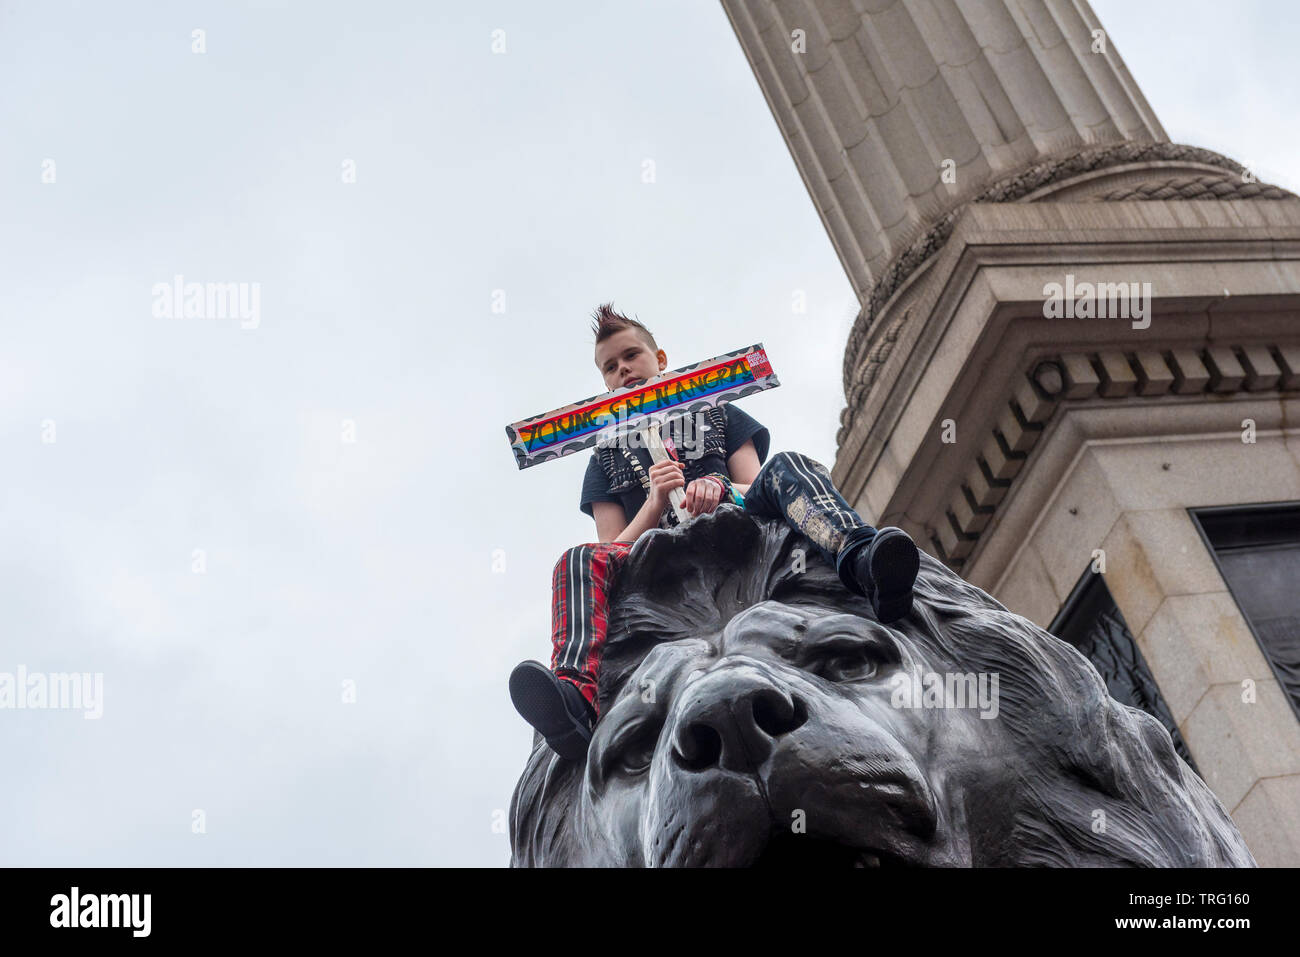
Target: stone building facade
1075,375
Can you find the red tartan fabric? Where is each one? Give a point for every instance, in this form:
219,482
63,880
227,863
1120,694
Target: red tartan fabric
580,589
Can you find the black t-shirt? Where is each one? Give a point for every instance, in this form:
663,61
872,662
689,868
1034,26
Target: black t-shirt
704,442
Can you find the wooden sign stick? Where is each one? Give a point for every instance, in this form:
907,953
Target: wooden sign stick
659,453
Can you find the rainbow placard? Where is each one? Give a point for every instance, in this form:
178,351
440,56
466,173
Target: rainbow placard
691,389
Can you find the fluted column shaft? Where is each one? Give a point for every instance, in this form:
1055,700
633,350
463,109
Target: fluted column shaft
879,99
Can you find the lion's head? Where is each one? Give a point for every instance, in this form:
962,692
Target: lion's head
754,713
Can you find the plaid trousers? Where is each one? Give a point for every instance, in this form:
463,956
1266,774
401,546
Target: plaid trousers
580,611
790,486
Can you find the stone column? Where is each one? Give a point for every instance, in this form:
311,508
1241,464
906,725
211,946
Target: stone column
878,98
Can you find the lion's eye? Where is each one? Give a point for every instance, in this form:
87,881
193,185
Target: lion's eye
859,664
636,757
632,750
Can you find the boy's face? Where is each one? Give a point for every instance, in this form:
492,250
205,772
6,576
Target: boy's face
626,358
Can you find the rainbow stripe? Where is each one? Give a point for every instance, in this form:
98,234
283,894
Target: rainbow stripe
583,424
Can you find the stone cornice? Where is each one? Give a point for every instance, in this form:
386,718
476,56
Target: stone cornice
1075,377
1112,173
993,269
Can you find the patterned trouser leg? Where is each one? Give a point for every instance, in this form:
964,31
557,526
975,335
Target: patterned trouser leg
580,611
794,487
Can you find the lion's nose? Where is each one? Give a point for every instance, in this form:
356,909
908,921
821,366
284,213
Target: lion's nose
731,719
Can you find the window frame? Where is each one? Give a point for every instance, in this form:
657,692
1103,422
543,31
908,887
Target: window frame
1242,526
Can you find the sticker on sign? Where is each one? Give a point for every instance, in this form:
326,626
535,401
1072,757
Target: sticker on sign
758,362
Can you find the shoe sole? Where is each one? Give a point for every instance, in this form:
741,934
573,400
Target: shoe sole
894,566
541,703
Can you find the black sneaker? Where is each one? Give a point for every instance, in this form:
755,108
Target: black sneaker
887,569
554,707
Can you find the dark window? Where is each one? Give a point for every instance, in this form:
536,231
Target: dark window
1257,548
1091,621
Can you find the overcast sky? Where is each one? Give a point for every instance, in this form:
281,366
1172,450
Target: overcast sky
233,521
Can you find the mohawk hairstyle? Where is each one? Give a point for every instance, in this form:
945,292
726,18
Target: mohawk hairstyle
606,321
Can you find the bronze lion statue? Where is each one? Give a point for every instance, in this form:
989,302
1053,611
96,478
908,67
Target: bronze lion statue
755,714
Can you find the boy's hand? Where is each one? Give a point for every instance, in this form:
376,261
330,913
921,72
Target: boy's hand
664,477
703,496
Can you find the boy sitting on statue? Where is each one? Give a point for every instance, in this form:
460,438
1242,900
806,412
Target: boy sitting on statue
628,495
